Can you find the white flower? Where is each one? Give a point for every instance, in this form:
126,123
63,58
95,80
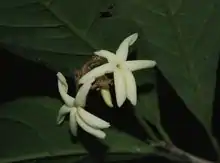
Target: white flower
78,115
124,81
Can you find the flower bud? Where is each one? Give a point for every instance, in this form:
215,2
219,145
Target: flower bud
106,95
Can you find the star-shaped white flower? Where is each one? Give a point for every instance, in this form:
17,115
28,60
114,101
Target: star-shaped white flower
78,115
124,81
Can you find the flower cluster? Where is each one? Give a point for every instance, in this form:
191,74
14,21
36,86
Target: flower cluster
75,107
124,82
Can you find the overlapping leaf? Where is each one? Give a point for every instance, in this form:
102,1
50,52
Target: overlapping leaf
147,105
183,37
29,131
128,144
53,32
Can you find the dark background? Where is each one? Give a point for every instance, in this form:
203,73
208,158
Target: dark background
21,77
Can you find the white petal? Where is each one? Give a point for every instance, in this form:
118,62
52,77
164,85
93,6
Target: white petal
82,93
120,90
122,51
106,95
131,88
95,132
91,120
97,72
73,122
111,57
68,100
62,113
63,88
62,78
139,64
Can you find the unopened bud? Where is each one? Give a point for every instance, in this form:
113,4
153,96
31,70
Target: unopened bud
106,95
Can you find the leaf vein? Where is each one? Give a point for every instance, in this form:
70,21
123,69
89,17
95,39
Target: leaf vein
71,27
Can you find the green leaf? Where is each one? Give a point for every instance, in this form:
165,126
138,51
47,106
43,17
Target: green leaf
147,104
184,40
49,30
78,159
147,108
123,157
120,142
56,159
129,147
174,5
29,131
61,34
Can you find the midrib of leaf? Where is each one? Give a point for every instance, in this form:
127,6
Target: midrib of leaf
69,25
28,156
203,27
91,24
30,26
187,54
28,126
40,156
48,147
177,33
194,45
50,50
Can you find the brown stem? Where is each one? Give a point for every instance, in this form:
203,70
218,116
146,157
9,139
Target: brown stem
178,153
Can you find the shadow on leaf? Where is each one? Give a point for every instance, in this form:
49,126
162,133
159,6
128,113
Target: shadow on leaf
178,121
122,119
145,88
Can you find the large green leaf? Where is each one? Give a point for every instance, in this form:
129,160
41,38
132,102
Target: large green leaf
147,108
61,34
183,36
56,159
86,159
120,142
147,105
29,131
49,31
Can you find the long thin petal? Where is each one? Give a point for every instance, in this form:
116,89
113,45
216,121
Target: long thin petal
62,79
106,95
64,110
139,64
122,51
68,100
95,132
131,88
82,93
111,57
97,72
73,122
91,120
120,90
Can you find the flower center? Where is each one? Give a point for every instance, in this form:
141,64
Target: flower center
118,66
